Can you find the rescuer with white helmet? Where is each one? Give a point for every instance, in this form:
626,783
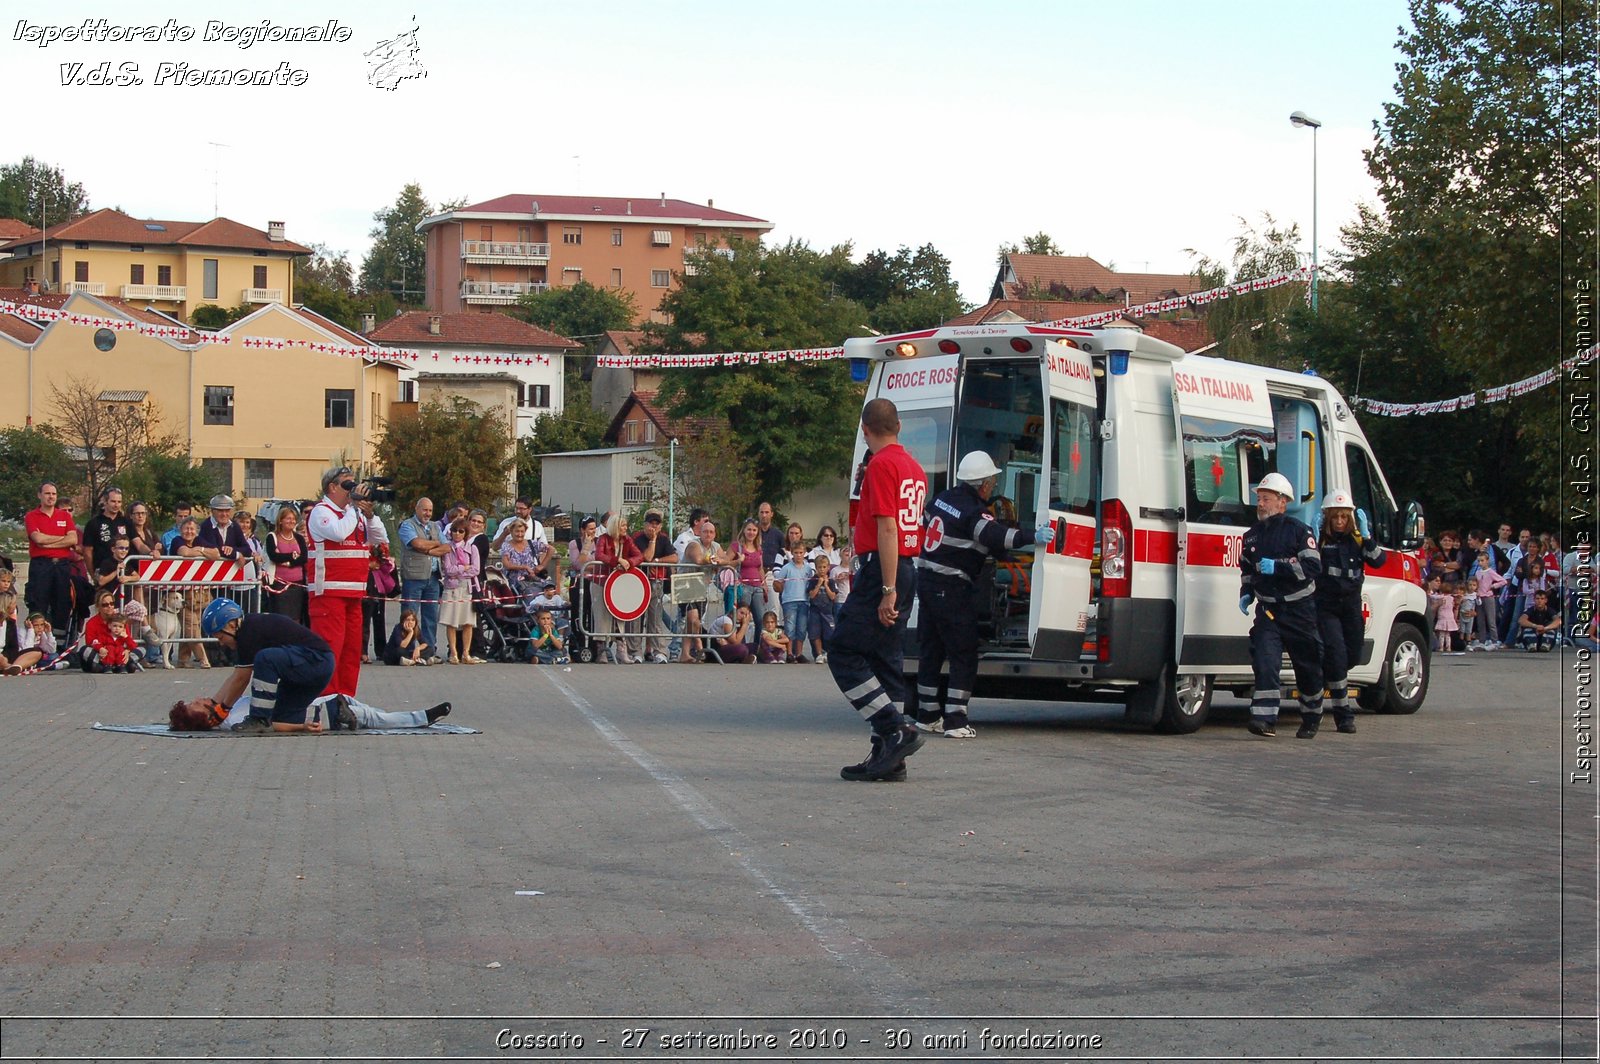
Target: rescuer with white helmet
959,532
1347,549
1279,563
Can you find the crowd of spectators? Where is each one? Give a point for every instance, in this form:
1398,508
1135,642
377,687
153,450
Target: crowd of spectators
535,593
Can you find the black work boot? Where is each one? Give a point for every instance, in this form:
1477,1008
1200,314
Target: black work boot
1309,723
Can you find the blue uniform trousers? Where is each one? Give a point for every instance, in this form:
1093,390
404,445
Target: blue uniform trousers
1340,620
286,680
947,630
1280,627
866,658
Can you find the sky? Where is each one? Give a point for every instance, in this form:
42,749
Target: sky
1129,132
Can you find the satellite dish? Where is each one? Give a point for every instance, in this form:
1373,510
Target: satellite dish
105,339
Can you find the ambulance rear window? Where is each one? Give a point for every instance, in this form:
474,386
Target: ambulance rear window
926,434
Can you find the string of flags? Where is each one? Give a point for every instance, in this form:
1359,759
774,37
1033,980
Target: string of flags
1471,399
181,334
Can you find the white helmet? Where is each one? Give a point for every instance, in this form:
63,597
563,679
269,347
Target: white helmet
1276,482
1339,500
976,467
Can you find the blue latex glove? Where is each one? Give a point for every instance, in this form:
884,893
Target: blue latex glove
1244,604
1044,534
1266,566
1363,525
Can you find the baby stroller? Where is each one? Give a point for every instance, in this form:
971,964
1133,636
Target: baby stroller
503,621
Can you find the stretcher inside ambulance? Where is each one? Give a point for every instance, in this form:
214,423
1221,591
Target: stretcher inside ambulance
1143,460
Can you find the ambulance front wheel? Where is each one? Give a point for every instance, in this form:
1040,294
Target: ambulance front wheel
1404,682
1176,704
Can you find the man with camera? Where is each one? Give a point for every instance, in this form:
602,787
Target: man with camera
336,574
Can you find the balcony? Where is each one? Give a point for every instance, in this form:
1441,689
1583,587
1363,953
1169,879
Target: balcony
503,292
509,252
92,288
262,295
175,293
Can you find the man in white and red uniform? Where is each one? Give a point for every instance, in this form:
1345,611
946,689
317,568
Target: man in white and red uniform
336,576
865,653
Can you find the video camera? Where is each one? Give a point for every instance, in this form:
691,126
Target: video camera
378,489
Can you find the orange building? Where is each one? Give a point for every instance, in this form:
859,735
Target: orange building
490,254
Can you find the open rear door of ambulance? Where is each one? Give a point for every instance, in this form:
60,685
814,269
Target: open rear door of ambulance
1059,609
1222,415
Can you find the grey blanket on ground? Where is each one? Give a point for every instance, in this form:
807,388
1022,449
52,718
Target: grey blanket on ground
161,729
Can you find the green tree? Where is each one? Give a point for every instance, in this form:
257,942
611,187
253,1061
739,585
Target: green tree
579,312
713,471
30,457
397,262
1253,327
34,192
165,479
794,421
1040,243
211,316
110,435
1486,166
449,450
906,290
579,427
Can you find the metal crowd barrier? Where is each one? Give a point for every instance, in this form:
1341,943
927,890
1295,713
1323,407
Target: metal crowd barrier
669,584
189,577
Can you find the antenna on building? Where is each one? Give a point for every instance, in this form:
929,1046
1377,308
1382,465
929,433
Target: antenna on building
216,174
577,160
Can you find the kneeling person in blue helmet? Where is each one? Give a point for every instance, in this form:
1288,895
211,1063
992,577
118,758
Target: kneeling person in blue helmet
1279,563
284,666
959,532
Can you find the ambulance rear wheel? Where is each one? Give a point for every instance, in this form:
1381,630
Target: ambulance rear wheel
1176,704
1404,682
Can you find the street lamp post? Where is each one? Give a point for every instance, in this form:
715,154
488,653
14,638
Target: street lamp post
672,483
1300,118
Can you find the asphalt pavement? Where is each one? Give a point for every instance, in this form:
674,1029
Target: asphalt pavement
660,862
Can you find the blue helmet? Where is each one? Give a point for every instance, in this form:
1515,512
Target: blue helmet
218,613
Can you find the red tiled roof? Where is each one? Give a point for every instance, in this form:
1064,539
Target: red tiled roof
19,328
625,341
1080,275
1191,334
667,427
354,339
641,207
468,329
108,226
12,229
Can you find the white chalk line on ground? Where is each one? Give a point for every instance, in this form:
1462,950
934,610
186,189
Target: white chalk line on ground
891,990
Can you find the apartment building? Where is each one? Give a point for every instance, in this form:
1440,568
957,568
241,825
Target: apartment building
490,254
171,266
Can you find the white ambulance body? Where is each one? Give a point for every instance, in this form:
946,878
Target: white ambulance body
1144,460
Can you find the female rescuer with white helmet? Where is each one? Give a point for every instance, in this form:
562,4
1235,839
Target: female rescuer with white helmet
1279,564
1347,548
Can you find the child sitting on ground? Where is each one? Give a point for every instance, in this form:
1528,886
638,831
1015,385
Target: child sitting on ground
117,651
405,646
36,646
548,647
142,634
774,648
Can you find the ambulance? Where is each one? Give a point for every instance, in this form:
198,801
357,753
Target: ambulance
1143,460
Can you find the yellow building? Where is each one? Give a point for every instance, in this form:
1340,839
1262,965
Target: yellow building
266,410
171,266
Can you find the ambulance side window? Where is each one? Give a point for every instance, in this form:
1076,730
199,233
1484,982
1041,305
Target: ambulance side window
1220,462
1072,457
1368,490
926,434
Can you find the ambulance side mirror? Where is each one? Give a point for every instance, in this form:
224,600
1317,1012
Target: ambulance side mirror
1413,527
